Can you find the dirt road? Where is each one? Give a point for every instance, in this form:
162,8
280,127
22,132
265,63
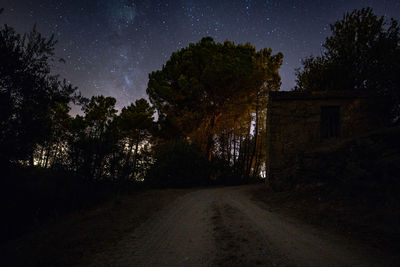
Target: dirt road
225,227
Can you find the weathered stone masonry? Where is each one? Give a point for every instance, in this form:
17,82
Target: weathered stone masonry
299,122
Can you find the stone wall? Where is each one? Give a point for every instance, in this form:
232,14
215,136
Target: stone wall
294,127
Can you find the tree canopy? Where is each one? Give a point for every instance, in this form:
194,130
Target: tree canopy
36,128
206,82
210,100
28,91
363,53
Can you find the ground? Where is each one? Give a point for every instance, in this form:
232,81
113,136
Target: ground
224,226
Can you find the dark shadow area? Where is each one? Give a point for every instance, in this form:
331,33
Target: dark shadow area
352,188
31,197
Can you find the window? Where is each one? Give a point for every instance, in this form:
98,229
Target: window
330,122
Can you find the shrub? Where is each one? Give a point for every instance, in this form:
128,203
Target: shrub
178,164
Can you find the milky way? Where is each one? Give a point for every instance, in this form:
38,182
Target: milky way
110,46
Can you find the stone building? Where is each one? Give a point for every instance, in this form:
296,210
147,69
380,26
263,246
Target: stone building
300,122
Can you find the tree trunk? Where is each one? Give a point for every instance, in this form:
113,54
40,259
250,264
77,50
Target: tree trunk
210,139
252,156
127,159
229,148
234,150
40,162
46,162
31,159
135,156
55,155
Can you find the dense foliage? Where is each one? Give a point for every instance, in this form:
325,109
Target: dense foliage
36,128
213,95
178,164
30,96
210,98
363,53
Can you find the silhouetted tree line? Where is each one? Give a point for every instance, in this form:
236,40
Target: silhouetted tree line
210,99
38,130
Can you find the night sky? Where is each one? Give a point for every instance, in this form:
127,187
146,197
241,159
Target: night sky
110,46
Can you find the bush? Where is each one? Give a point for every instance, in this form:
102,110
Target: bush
31,196
178,164
356,166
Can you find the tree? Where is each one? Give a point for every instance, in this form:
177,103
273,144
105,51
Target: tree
94,137
363,53
28,92
53,150
208,82
136,124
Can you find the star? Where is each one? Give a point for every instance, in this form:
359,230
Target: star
110,46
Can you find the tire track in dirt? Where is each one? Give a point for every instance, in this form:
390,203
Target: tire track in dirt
178,236
239,243
224,227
